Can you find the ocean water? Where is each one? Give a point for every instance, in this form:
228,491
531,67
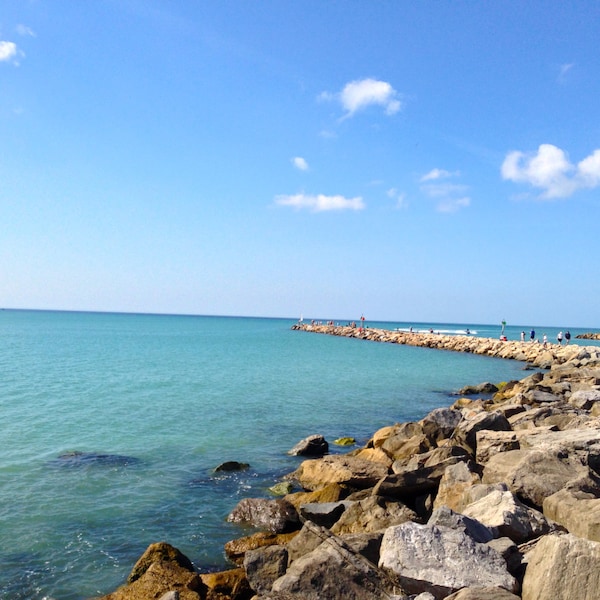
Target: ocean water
158,402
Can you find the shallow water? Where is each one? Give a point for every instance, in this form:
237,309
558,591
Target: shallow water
168,398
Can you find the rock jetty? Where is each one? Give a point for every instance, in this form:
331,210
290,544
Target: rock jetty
536,353
493,498
588,336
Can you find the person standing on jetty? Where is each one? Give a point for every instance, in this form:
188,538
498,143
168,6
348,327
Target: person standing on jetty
532,335
559,337
545,340
522,336
567,337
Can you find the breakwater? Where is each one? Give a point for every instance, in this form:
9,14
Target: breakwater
492,498
536,354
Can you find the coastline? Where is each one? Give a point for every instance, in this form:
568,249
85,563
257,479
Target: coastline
512,481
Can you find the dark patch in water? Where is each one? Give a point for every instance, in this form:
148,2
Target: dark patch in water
81,459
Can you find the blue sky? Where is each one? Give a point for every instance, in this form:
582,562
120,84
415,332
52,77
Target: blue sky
412,161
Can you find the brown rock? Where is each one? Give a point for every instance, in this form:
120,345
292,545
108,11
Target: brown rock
454,482
227,585
160,570
341,469
562,566
159,552
236,549
332,492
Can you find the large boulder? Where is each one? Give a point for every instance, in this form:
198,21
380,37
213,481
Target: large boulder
333,571
441,560
264,565
276,516
160,570
372,514
577,507
323,513
414,480
466,431
341,469
231,584
531,474
390,440
510,517
440,424
332,492
446,517
236,549
562,566
455,481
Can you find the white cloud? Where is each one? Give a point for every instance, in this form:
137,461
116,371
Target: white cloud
8,51
320,202
450,205
550,170
361,93
438,174
300,163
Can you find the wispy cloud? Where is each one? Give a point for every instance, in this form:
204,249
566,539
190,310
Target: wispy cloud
550,170
320,202
300,163
435,174
362,93
25,31
451,205
450,196
398,197
564,70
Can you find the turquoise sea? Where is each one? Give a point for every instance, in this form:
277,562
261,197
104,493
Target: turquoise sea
162,400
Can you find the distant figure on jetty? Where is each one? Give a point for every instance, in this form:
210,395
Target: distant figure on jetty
545,338
559,337
532,335
567,337
522,336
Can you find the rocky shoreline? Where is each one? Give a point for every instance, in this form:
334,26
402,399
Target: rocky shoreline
495,497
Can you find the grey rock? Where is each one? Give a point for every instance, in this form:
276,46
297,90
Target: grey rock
323,513
440,423
333,571
372,514
584,399
446,517
264,565
313,445
277,516
510,517
440,560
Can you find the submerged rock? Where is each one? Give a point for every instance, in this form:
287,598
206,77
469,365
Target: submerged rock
77,458
231,465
